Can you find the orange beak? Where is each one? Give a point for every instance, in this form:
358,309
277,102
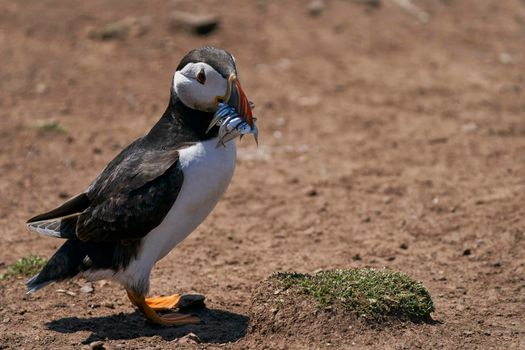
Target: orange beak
238,100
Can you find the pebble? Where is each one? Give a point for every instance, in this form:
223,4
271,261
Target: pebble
371,3
505,58
469,128
200,24
87,288
108,305
99,344
191,300
190,338
316,7
311,192
41,88
66,292
63,195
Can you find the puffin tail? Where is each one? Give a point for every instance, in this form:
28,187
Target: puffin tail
59,228
64,264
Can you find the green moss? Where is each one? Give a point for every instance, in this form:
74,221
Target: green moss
25,267
368,292
51,126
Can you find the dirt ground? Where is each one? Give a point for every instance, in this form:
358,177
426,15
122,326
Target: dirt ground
388,137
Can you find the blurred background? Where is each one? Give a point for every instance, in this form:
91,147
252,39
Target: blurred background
392,133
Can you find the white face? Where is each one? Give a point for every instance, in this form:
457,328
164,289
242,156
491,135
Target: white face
198,85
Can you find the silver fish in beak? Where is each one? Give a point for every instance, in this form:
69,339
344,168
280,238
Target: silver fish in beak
234,114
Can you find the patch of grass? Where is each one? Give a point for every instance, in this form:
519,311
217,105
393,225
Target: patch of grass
371,293
25,267
51,126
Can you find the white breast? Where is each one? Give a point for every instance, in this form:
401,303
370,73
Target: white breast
207,174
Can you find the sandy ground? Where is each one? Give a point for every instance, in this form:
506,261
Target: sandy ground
384,141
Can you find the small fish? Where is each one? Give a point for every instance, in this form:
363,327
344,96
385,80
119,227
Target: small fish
231,125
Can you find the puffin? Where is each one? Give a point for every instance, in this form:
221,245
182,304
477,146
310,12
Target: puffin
157,190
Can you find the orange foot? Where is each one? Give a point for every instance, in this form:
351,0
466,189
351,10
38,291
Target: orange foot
149,305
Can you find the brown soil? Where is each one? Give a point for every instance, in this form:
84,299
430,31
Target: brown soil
384,141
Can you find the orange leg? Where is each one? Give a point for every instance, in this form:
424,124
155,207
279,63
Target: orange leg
161,303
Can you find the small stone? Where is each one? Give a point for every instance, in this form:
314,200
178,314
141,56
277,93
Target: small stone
102,283
469,128
356,257
99,344
505,58
63,291
87,288
191,300
366,219
6,320
403,246
467,252
311,192
40,88
63,195
200,24
371,3
108,305
316,7
190,338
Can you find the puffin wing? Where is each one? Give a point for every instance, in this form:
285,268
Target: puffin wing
127,200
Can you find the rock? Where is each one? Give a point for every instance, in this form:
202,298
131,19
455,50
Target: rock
371,3
316,7
469,127
505,58
201,24
63,195
99,344
191,300
403,246
467,252
66,292
41,88
102,283
311,192
108,305
190,338
87,288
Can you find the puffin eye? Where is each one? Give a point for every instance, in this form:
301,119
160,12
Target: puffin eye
201,76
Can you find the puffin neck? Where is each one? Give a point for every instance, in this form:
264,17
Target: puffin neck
179,125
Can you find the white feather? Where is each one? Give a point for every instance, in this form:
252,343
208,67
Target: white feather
196,95
207,173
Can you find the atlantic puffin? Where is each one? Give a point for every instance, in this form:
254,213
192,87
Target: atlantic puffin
157,190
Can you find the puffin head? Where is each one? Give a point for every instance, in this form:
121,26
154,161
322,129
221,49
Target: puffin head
208,76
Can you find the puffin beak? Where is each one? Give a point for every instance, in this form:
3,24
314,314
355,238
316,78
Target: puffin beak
242,121
239,101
